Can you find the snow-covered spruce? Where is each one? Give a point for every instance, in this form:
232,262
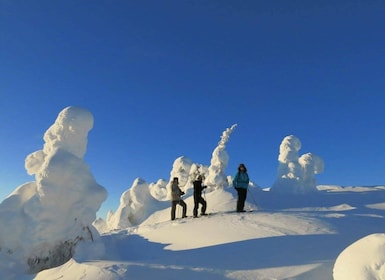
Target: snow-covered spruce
42,222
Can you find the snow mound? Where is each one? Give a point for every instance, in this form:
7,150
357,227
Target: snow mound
136,204
362,260
74,270
229,227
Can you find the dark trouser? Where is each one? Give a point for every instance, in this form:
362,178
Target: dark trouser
173,208
242,193
198,200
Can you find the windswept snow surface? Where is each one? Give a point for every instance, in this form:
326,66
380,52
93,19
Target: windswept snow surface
285,237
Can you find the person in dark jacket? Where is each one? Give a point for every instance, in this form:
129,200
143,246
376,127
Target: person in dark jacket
198,199
241,183
176,199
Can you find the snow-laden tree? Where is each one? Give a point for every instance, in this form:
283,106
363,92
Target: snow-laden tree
41,222
159,190
217,178
131,207
311,165
181,168
136,204
296,174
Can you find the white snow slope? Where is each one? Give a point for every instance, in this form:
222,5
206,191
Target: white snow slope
285,237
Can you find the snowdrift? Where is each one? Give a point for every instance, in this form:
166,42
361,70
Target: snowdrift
285,237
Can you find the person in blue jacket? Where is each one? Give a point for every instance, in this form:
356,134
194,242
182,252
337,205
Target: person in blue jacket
241,183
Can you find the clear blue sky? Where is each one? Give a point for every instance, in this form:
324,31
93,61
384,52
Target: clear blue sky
164,79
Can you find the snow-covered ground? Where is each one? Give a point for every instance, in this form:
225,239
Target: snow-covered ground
285,237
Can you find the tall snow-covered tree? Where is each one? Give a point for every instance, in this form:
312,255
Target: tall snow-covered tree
296,174
219,161
51,215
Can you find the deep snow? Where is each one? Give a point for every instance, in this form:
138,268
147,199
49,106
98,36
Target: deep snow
288,237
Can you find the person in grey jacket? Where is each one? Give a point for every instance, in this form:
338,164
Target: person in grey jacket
241,183
176,199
